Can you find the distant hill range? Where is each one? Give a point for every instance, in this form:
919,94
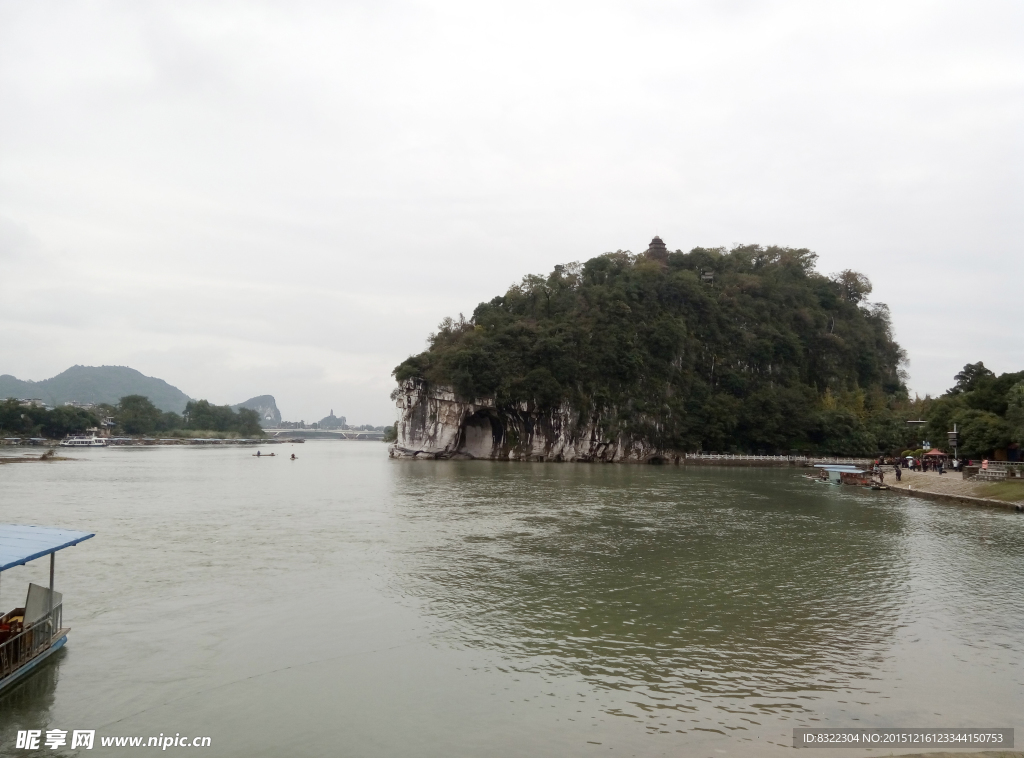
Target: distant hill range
266,406
108,384
96,384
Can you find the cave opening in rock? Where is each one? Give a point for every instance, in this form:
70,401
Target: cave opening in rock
481,435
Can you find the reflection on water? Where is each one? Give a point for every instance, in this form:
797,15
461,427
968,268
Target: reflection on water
672,591
344,603
675,585
27,704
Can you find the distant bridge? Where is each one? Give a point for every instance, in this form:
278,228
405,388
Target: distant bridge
324,434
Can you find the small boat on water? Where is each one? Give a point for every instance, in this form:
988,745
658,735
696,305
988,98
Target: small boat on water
840,473
82,440
32,633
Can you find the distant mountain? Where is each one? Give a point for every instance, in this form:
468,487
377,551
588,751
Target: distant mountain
264,405
96,384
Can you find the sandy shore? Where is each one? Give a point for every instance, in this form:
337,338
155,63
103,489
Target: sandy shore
949,486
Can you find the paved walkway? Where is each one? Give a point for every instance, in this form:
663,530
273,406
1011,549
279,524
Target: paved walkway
949,485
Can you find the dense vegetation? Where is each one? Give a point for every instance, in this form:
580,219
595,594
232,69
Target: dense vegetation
133,414
749,349
18,420
988,411
199,414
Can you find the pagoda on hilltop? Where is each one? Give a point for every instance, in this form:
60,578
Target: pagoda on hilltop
657,250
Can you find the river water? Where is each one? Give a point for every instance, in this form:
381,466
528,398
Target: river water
347,604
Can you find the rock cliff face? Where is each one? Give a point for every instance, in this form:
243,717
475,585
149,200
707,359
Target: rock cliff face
434,423
266,406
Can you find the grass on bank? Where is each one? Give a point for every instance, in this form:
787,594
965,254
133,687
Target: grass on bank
205,434
1008,491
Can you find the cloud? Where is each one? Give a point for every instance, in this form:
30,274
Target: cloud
225,192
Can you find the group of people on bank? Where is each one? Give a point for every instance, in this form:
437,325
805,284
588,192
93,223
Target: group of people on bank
924,464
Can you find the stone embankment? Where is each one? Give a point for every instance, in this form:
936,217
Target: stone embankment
951,487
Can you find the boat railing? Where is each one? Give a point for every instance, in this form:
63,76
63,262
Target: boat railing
35,638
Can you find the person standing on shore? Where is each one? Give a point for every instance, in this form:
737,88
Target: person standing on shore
899,476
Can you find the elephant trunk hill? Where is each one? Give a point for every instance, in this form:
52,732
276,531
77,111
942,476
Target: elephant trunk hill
645,357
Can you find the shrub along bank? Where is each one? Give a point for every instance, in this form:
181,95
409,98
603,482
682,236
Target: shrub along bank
133,415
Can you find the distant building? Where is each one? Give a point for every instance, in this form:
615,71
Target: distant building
657,250
107,426
333,422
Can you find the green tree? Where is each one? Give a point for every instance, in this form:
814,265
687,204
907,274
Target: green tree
853,286
981,432
247,423
66,420
169,421
35,421
1015,412
18,420
970,377
137,415
986,409
201,414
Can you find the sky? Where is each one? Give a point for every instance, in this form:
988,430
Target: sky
248,198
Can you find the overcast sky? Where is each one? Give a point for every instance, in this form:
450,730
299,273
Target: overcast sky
286,198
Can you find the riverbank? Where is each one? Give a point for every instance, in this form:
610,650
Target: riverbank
952,487
984,754
48,456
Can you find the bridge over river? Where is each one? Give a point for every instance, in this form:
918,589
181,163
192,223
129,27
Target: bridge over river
324,434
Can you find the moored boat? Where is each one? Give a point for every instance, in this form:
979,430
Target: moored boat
837,473
82,440
32,633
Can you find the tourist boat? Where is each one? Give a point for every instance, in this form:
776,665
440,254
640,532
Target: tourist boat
839,473
31,634
83,441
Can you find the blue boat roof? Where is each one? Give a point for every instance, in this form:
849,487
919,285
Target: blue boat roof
20,544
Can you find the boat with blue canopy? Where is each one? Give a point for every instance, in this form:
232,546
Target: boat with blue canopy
841,473
32,633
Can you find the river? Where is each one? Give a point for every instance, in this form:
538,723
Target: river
347,604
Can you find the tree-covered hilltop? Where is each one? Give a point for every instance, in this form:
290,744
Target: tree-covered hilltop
749,349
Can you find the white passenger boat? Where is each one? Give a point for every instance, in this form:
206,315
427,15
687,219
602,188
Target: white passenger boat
32,633
83,441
